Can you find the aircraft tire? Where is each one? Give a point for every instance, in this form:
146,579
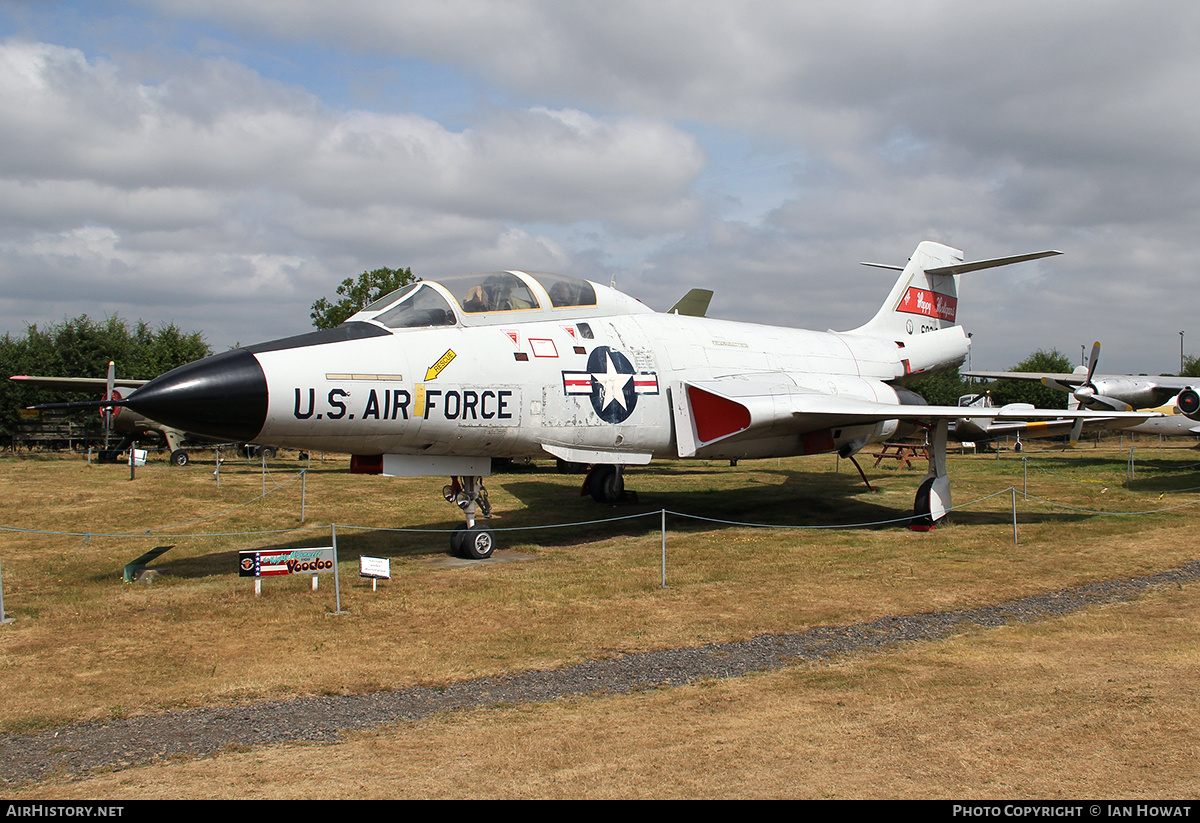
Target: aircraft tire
179,458
607,484
567,467
922,516
932,503
478,543
267,452
457,539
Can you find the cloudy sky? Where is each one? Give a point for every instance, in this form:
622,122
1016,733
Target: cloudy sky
222,164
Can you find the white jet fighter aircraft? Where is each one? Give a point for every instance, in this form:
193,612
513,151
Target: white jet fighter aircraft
442,376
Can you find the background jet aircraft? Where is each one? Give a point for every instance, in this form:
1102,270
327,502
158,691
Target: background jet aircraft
1167,395
441,376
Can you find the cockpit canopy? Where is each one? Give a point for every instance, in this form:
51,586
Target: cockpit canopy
444,301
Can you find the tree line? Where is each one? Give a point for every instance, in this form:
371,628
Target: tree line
82,347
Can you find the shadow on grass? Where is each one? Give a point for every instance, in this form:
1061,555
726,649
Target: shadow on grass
804,500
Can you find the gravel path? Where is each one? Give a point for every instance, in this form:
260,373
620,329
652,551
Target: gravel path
120,744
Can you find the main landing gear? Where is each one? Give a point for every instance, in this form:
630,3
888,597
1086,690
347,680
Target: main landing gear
933,495
606,484
470,540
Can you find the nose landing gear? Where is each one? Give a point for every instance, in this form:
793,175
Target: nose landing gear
470,540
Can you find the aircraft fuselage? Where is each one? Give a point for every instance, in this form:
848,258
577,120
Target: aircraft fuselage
600,383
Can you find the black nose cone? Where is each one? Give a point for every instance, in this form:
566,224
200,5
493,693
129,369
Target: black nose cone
223,396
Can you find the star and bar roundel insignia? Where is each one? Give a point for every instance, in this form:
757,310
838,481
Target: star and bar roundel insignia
611,382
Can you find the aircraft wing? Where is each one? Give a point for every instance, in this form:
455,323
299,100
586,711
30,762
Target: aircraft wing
773,405
85,384
1031,376
969,429
1162,383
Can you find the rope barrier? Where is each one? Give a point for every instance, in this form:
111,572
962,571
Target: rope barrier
86,536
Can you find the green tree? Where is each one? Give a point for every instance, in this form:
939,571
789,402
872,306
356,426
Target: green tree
82,347
1025,391
358,294
941,389
1191,367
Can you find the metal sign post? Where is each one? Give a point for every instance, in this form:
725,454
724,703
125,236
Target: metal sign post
376,568
337,588
4,618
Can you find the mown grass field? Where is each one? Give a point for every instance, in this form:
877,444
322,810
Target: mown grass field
1024,711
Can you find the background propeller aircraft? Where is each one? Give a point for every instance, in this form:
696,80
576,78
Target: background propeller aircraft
1172,398
441,376
125,422
971,430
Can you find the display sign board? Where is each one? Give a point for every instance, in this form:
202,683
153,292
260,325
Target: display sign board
379,568
271,562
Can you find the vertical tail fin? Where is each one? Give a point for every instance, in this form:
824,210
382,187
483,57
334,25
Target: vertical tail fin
925,296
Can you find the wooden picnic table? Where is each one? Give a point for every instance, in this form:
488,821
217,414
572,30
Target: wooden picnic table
904,452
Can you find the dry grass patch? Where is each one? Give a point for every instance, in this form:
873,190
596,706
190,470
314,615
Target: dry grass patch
1098,704
85,645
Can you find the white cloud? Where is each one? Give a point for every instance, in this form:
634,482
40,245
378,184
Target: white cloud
217,181
581,138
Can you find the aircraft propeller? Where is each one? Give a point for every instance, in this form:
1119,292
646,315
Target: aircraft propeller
1086,394
107,411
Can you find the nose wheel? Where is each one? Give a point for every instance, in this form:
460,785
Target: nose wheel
470,540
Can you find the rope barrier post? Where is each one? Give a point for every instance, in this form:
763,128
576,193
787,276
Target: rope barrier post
4,618
263,453
664,548
303,481
337,586
217,473
1014,511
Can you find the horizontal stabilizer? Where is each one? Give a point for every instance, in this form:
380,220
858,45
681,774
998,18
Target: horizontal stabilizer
977,265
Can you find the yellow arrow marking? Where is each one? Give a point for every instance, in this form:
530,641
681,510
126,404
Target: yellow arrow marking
442,362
